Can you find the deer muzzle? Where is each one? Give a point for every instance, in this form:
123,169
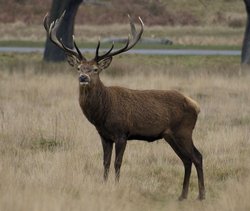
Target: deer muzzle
84,79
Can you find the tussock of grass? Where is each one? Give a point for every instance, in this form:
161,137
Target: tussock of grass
51,156
46,144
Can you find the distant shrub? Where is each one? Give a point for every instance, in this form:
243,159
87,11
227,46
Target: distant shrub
236,23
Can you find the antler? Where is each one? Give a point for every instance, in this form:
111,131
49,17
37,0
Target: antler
129,44
52,34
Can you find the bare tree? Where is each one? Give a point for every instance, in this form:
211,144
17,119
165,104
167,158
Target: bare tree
245,54
66,29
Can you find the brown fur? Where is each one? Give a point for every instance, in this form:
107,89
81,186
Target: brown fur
121,114
128,112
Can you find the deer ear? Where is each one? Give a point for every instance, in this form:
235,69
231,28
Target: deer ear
73,60
104,63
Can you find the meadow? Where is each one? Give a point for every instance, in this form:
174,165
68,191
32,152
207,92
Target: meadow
213,37
51,156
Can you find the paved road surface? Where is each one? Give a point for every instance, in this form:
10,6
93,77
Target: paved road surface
187,52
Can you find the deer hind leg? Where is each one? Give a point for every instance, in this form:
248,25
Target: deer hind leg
120,146
197,160
107,153
185,149
187,162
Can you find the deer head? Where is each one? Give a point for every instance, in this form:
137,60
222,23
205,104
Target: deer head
89,69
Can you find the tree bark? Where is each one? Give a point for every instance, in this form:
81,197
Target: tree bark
66,30
245,53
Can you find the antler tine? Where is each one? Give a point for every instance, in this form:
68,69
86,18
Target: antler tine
97,57
135,38
113,44
52,29
52,34
78,50
124,49
45,22
97,50
132,26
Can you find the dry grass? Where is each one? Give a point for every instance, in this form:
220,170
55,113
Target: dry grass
51,157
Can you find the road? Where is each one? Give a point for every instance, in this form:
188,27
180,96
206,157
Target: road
187,52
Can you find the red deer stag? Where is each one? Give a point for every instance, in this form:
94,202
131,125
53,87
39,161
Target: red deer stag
121,114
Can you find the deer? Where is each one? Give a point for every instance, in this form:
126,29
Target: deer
121,114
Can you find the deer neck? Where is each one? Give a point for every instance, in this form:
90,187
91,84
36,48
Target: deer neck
94,100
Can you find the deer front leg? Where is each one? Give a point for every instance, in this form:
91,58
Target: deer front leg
107,153
120,146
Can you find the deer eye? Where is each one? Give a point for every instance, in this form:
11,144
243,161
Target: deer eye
95,69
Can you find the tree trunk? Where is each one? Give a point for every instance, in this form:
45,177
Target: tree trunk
52,52
245,54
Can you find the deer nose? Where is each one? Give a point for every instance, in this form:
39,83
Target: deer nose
84,79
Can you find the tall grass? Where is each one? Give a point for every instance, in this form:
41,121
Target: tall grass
51,156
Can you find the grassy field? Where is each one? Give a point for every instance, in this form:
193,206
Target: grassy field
219,37
51,156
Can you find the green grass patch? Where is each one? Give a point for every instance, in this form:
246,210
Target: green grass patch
21,43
